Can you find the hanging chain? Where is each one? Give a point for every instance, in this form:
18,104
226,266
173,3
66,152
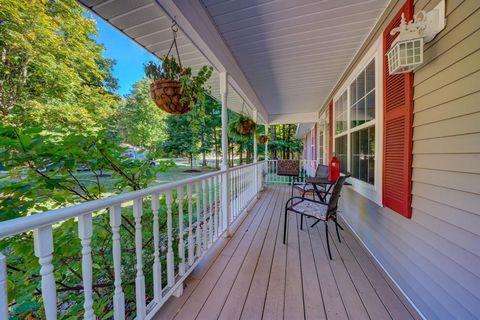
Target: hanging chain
174,42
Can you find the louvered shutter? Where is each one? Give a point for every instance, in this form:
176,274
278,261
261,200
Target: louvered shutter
397,126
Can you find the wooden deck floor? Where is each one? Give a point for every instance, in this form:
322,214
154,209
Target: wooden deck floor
254,276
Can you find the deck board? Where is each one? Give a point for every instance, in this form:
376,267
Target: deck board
253,275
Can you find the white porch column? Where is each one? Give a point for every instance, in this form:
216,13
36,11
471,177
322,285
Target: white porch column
266,143
255,155
224,166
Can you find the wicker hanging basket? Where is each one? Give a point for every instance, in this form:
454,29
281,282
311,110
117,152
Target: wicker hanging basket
167,95
247,126
262,139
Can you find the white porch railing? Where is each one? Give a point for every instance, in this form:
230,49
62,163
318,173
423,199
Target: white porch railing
204,199
307,169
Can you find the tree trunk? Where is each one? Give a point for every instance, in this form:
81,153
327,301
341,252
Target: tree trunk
240,151
273,134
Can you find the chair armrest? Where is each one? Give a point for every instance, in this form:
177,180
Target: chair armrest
304,199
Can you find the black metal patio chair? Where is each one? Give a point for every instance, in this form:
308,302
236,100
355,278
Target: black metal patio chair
304,188
321,211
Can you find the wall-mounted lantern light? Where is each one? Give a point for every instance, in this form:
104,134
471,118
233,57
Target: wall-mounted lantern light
406,52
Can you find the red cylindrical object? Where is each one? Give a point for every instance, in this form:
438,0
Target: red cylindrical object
333,169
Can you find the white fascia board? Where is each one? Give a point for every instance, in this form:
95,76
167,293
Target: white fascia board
198,26
286,118
303,129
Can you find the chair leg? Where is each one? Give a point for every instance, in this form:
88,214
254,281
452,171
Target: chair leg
285,226
328,242
338,224
336,227
301,222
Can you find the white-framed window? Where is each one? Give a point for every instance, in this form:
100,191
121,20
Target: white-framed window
355,125
358,127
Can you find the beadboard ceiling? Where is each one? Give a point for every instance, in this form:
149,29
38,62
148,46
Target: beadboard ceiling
292,52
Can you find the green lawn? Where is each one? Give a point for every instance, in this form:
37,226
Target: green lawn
172,174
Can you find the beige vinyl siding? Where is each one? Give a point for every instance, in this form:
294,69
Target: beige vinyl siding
434,258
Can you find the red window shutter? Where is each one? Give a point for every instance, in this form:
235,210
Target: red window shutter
315,146
397,128
330,130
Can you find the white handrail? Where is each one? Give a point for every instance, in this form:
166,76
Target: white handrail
24,224
214,206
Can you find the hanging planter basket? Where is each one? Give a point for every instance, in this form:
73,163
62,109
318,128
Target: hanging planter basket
262,139
247,126
167,95
174,89
242,125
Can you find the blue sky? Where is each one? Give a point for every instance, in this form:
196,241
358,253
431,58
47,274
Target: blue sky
129,56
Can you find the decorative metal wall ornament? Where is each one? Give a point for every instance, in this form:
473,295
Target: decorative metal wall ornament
406,52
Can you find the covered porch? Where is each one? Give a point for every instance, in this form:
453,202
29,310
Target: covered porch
412,219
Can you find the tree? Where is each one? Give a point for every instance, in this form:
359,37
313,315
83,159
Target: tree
194,133
181,139
207,122
140,122
45,166
283,142
52,73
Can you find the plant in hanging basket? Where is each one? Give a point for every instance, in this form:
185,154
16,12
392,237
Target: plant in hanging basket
242,125
175,89
262,139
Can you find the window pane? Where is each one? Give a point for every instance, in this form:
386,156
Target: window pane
341,113
353,115
370,113
361,85
353,92
341,152
363,154
361,112
371,152
370,76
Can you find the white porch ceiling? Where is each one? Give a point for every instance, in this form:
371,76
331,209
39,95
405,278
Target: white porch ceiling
282,56
294,52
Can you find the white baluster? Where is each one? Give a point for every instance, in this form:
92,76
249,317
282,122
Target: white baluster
43,247
191,256
140,278
210,211
3,288
198,231
157,265
216,211
205,227
85,235
170,267
118,296
225,193
181,244
235,179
